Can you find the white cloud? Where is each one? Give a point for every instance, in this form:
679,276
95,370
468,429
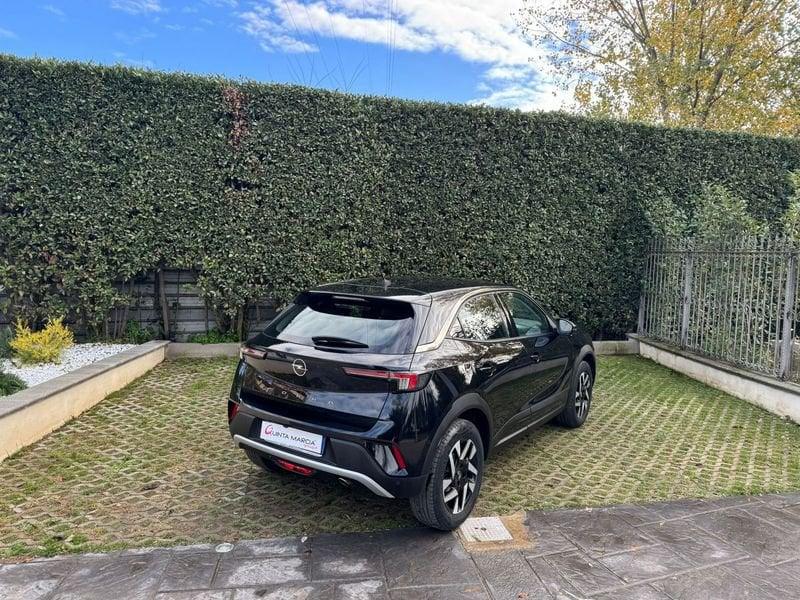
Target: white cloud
272,35
7,33
218,3
137,7
482,32
54,10
141,62
134,37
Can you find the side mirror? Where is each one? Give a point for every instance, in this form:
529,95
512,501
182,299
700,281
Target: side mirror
565,327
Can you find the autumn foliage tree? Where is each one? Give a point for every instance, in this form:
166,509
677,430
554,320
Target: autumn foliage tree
716,64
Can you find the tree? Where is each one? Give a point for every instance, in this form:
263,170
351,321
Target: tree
716,64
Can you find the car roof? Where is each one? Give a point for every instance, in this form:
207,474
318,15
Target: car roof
406,288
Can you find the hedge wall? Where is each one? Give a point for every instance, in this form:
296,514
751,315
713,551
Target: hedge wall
110,172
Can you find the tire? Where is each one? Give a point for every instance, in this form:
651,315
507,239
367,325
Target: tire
580,399
261,462
463,440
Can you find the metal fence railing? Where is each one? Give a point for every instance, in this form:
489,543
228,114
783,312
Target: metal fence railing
733,300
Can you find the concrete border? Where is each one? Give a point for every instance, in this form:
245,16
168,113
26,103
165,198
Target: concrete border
192,350
29,415
778,397
612,347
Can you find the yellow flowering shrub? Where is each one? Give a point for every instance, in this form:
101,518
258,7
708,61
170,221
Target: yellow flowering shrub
41,346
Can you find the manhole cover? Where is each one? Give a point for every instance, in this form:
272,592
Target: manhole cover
484,529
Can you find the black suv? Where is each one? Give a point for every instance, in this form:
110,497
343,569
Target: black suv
407,386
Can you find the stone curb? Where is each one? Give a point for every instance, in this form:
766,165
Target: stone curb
614,347
778,397
191,350
29,415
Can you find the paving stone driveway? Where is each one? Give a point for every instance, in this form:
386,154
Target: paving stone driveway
154,465
736,547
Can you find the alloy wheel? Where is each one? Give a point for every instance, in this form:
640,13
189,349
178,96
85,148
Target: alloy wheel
461,476
583,394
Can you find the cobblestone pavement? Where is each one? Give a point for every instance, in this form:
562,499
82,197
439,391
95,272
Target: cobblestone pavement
737,547
154,465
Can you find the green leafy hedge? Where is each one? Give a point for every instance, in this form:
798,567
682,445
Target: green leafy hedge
110,172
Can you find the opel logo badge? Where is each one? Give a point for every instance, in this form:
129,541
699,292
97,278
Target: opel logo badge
299,367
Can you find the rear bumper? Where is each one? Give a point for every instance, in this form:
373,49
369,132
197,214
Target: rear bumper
369,483
346,458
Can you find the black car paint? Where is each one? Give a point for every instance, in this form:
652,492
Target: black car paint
506,386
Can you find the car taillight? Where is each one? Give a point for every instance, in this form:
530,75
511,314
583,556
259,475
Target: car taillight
290,466
404,381
398,456
251,352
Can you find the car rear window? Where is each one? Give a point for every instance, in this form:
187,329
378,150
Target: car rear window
347,323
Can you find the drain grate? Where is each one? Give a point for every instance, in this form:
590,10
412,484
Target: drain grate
484,529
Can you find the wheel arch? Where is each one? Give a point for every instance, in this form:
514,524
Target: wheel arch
586,353
473,408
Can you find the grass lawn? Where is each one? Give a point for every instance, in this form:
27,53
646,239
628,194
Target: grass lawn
154,465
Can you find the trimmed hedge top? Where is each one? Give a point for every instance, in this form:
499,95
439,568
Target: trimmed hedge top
109,172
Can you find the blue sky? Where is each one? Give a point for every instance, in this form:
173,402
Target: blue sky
445,50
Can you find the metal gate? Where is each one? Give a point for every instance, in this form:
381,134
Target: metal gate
733,300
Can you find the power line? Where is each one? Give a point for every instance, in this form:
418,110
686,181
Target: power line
389,46
328,71
305,49
338,52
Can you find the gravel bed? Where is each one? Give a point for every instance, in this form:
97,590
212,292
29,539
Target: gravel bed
72,358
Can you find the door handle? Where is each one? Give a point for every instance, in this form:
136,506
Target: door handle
536,357
485,366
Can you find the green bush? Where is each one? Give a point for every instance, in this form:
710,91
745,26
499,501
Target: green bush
136,334
214,336
10,384
266,189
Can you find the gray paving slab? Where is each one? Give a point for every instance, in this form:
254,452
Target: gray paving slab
32,580
274,547
755,536
508,576
235,572
347,562
646,563
682,508
711,583
638,592
432,559
781,518
114,576
553,580
792,567
448,592
370,589
289,591
583,573
196,595
745,547
600,532
544,537
772,580
189,570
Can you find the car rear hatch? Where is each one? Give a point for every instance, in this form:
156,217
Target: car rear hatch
329,359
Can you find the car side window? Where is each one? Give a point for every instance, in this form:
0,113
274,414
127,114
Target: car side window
527,318
480,318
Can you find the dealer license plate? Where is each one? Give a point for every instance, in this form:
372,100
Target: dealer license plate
289,437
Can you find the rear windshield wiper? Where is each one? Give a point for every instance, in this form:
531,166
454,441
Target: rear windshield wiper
329,340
